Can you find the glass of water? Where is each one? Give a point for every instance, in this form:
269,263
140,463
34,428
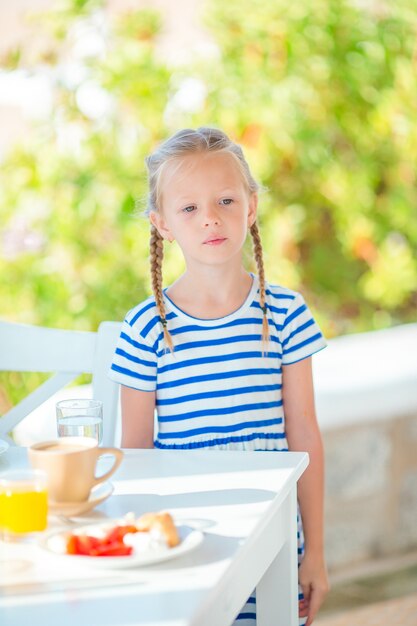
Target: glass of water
80,418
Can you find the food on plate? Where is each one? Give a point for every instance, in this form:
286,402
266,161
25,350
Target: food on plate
161,523
160,527
145,522
111,544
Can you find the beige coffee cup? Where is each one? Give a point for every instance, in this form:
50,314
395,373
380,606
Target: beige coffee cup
70,466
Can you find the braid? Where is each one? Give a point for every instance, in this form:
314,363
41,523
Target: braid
156,256
170,153
257,250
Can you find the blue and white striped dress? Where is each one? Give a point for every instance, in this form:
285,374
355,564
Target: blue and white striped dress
217,390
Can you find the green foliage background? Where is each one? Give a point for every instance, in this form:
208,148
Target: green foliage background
321,95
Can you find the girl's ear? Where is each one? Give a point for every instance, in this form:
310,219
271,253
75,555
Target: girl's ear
158,221
253,207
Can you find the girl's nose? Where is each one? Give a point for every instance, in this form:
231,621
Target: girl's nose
211,217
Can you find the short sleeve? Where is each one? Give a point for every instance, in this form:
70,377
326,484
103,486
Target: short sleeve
134,362
301,335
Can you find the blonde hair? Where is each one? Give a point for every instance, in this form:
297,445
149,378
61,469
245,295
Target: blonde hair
181,144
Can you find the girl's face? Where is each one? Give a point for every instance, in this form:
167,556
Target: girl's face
206,208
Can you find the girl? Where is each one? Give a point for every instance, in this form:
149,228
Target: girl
224,357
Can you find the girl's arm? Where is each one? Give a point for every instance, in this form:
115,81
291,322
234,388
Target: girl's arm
303,434
138,409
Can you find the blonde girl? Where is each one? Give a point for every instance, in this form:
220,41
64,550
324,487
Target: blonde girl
221,355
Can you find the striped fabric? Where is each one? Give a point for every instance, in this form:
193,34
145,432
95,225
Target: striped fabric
217,390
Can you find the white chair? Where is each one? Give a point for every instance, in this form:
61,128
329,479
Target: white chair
67,354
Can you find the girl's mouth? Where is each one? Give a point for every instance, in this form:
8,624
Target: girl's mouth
216,241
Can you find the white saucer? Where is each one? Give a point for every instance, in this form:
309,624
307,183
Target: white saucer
98,494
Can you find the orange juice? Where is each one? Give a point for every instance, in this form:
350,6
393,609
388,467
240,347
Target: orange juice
23,502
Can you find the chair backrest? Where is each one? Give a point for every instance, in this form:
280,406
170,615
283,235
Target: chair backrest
66,354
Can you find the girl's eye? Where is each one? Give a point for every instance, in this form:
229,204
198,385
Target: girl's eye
189,209
226,201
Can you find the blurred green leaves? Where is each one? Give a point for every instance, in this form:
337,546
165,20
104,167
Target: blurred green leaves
320,95
73,250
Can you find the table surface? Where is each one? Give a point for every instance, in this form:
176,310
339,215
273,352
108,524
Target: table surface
228,495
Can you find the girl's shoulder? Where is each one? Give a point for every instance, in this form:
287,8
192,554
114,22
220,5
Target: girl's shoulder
282,296
142,313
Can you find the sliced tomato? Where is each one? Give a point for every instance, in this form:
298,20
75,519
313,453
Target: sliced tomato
81,544
110,545
117,548
85,544
118,532
72,544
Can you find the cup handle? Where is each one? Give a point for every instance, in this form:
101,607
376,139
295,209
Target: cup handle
118,458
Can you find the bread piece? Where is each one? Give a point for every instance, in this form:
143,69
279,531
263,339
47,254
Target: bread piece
161,522
145,522
165,524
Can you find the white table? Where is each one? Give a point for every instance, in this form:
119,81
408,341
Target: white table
244,501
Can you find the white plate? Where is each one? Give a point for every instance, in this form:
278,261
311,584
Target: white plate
55,543
98,494
3,446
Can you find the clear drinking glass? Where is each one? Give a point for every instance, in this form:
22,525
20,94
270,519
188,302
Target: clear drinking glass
23,515
23,503
80,418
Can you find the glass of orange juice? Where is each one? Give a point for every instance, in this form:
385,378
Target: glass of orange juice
23,503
